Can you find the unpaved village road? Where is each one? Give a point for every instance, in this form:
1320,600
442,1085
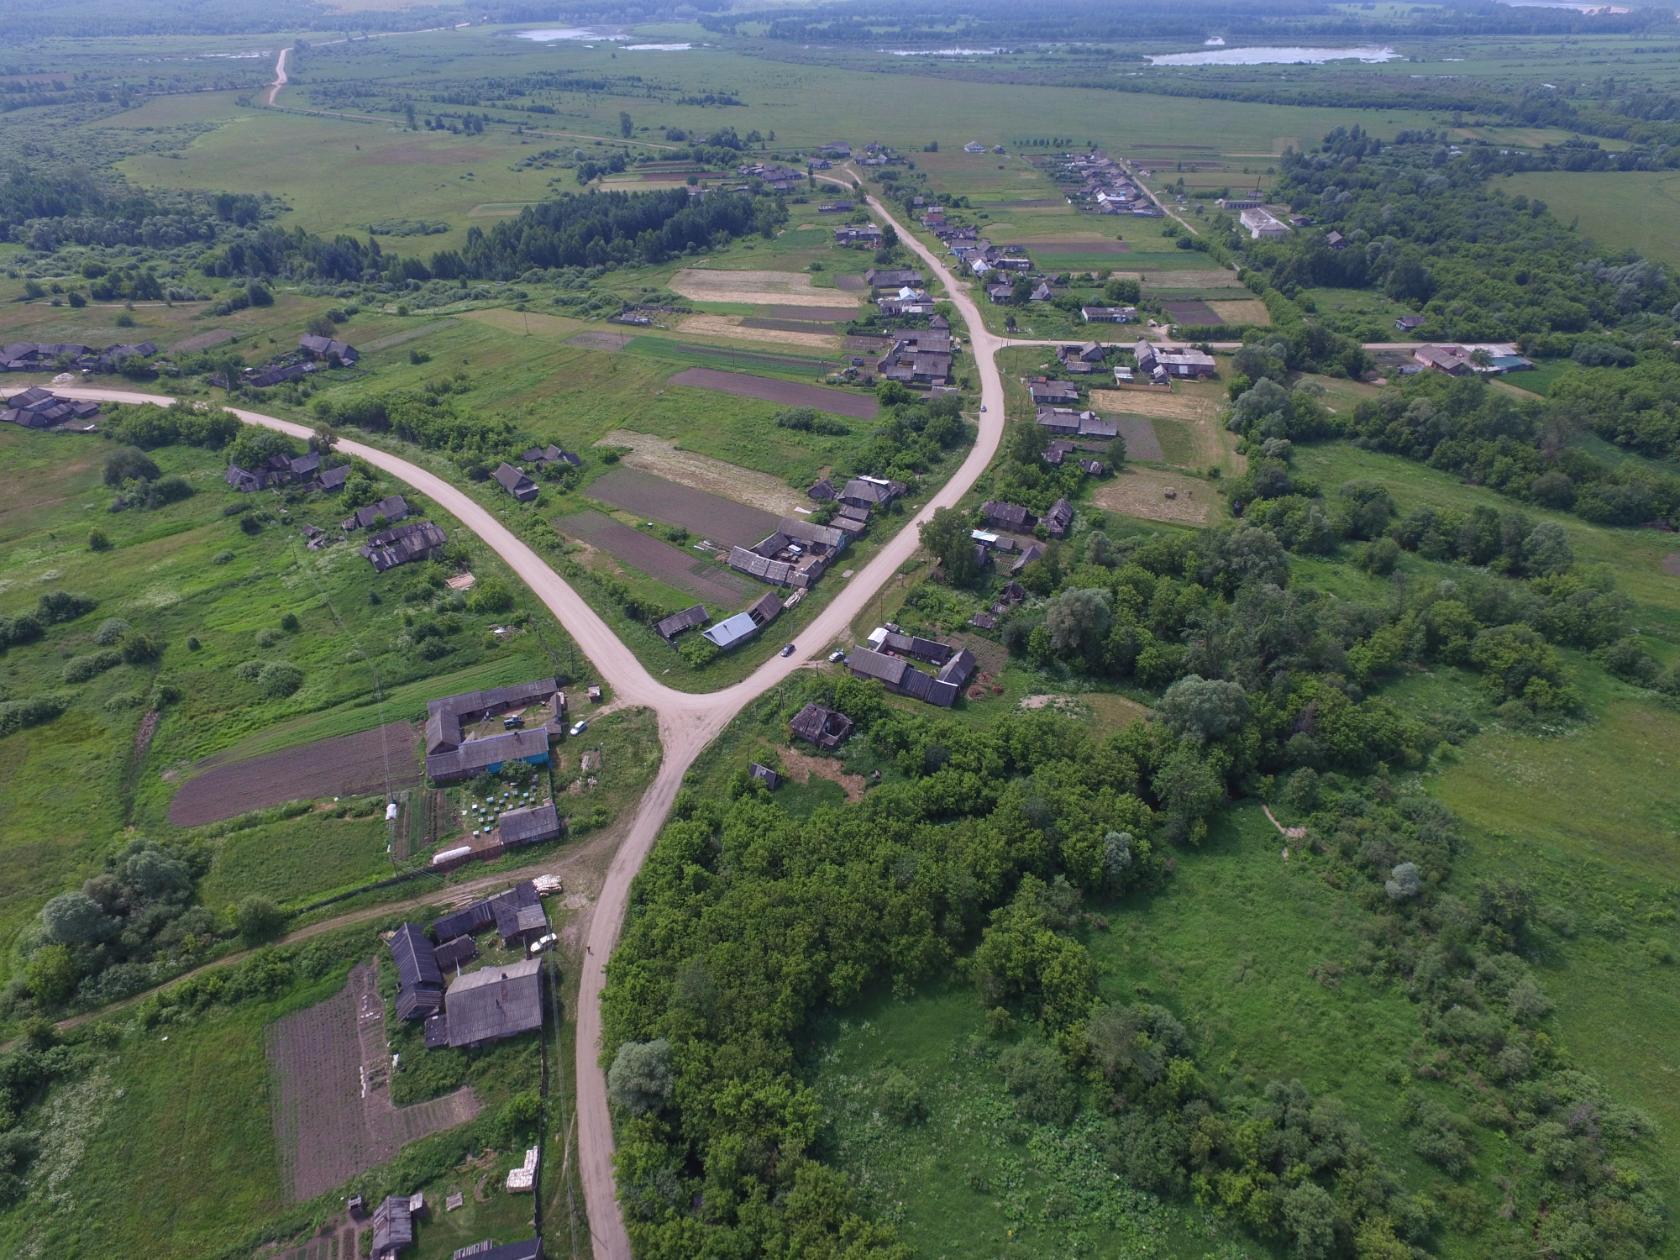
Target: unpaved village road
687,721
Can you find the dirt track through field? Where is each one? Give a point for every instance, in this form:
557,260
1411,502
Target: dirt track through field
859,406
367,762
705,515
333,1114
687,571
662,457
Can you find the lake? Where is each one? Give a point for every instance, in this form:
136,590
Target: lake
1273,56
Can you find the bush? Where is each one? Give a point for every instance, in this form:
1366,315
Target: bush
110,631
640,1079
1034,1074
98,540
193,644
278,679
79,669
128,463
15,715
900,1100
221,557
289,623
141,649
24,628
57,606
267,637
258,920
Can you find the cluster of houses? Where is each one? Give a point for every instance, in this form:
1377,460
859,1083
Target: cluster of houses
975,146
288,471
1000,514
773,176
37,408
858,236
797,553
1098,184
982,258
44,356
478,732
517,482
1485,359
313,353
919,356
467,1009
901,292
891,659
1013,593
393,1231
403,544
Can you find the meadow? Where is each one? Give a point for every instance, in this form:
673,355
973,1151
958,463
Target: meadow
1637,210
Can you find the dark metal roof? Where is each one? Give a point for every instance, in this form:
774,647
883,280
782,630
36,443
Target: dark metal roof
495,1002
529,825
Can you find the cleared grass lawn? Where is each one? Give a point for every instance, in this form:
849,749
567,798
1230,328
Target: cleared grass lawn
298,859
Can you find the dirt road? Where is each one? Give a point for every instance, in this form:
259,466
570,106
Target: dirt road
688,722
279,76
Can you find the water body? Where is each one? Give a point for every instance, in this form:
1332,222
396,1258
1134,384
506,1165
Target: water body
657,47
1266,56
554,34
942,52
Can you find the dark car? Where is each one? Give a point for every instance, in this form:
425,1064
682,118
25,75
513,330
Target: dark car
788,650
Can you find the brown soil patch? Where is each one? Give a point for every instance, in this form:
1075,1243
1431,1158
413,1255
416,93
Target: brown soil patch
1242,311
333,1115
820,314
1142,441
672,565
379,760
661,457
733,326
1142,492
790,325
759,288
1671,564
801,766
1110,711
850,284
706,515
1190,311
860,406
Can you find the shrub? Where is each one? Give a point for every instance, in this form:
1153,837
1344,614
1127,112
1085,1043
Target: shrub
289,623
267,637
900,1100
110,631
278,679
140,649
193,644
221,557
81,668
24,628
258,920
128,463
640,1079
57,606
15,715
98,540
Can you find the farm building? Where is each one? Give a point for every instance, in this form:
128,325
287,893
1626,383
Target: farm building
329,350
864,234
453,752
508,911
765,775
38,356
392,508
494,1003
1059,519
529,1249
531,825
797,554
419,980
826,728
1048,393
1487,360
1066,422
1108,314
1161,363
393,1224
894,278
1262,225
901,678
896,643
515,483
402,544
731,632
871,492
1011,516
821,491
668,628
452,954
285,470
37,408
1408,323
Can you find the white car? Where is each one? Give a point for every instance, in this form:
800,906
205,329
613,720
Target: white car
578,728
836,656
543,942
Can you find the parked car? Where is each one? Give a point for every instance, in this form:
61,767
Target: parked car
578,728
836,656
788,650
543,942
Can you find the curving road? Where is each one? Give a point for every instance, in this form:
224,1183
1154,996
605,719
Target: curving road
279,76
688,722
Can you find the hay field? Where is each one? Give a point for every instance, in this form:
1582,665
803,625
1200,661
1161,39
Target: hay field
764,288
1142,492
731,326
663,458
1241,311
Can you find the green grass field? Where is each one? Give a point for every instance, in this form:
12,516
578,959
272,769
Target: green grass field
1638,210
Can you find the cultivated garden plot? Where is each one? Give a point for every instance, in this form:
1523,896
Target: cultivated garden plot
755,288
672,565
705,515
380,760
333,1115
787,393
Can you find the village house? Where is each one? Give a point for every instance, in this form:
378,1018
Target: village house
1067,422
898,676
797,554
894,278
909,363
824,727
869,493
43,356
37,408
515,483
854,235
327,350
393,1224
821,491
419,979
551,454
494,1003
1000,294
1485,360
391,509
527,1249
1408,323
668,628
1059,519
1161,363
529,824
731,632
1081,360
516,913
892,641
403,544
1042,292
455,751
1010,516
1048,393
1335,240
